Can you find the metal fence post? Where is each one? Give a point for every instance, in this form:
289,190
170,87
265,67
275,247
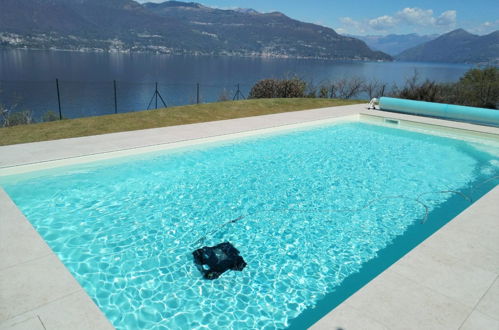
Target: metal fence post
115,98
58,98
239,95
197,93
155,97
156,93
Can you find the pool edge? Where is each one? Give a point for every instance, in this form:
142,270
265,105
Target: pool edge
28,265
445,282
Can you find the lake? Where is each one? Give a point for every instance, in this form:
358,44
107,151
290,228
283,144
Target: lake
27,78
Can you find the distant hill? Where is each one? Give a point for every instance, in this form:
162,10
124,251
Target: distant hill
269,33
91,25
171,27
458,46
394,44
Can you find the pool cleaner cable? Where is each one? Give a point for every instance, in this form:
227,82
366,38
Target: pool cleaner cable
308,210
467,197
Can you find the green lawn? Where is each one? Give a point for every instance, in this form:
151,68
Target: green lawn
159,118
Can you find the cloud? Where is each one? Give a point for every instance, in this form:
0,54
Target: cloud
416,19
425,17
486,27
382,23
348,21
351,26
416,16
447,18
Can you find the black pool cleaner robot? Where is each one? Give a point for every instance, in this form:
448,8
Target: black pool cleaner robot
215,260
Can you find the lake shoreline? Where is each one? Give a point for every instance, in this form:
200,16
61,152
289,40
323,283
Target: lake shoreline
86,80
193,54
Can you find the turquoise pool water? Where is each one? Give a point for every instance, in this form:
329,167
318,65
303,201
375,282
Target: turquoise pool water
317,206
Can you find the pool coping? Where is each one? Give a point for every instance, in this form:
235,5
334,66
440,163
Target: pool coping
37,291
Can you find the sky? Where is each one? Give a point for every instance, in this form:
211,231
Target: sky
368,17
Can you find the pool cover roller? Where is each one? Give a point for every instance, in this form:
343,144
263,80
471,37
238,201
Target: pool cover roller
448,111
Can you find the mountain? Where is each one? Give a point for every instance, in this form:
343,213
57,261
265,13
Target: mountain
264,33
458,46
394,44
246,10
89,24
171,27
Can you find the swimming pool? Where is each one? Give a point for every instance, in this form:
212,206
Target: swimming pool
316,213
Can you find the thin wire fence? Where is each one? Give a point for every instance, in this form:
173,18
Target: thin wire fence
77,99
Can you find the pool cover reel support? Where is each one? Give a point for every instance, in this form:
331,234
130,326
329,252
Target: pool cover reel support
215,260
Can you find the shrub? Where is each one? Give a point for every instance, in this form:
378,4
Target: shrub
50,116
348,87
478,87
278,88
345,88
5,115
266,88
224,96
19,118
428,91
374,88
323,92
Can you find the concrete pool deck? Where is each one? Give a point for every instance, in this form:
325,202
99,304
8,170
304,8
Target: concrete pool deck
449,281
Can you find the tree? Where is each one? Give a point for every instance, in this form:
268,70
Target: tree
374,88
479,88
347,88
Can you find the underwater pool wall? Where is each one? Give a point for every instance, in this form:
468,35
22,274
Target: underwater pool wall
449,111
